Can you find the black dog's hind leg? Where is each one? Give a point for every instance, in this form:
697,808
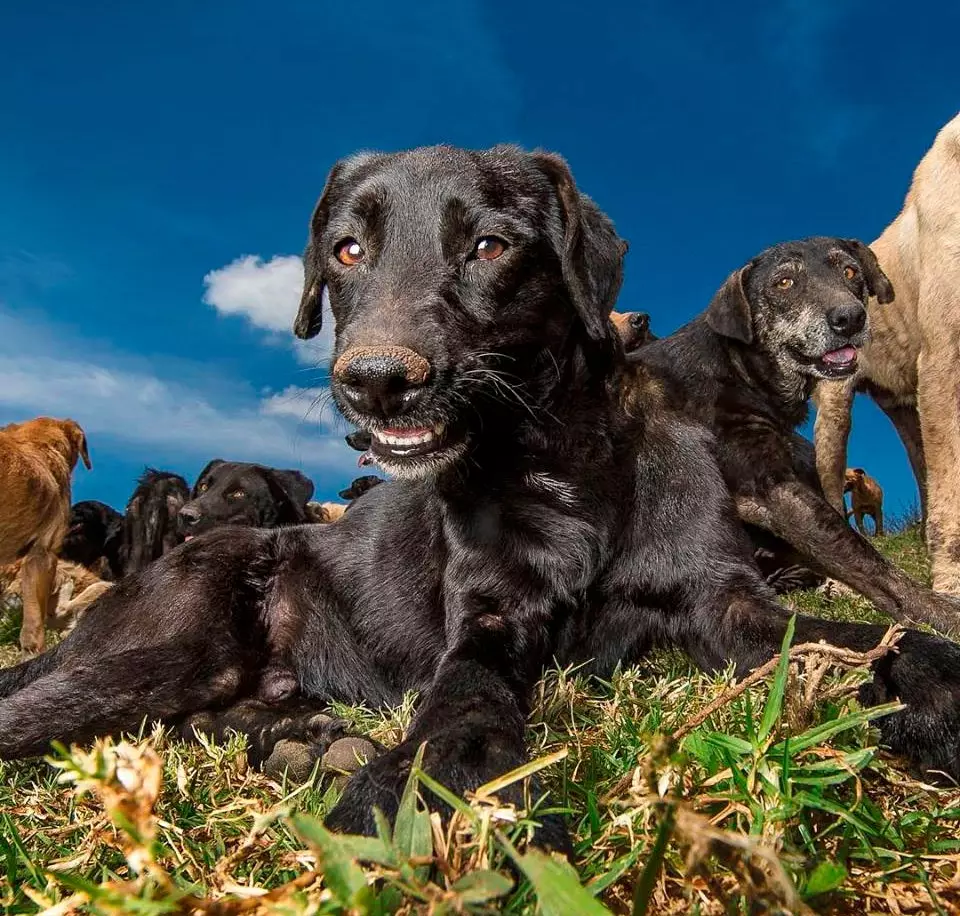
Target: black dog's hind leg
794,512
82,700
923,671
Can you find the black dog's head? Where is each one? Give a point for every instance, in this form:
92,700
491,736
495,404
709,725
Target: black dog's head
803,304
359,486
633,328
458,280
238,493
95,532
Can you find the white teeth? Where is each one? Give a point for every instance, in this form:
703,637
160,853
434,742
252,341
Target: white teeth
424,437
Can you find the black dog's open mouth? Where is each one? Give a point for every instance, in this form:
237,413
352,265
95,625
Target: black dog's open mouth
407,442
838,363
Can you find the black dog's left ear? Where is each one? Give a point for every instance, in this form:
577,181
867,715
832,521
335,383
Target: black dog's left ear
297,486
729,313
592,252
877,283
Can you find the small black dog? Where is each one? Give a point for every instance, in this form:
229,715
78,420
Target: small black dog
746,368
150,520
359,486
542,510
239,493
95,538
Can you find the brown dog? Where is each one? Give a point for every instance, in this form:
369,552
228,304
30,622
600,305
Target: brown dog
911,363
37,459
866,498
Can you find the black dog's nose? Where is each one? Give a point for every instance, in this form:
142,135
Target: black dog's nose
381,380
188,516
847,319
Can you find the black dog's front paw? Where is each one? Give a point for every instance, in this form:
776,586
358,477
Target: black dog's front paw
456,765
925,675
266,726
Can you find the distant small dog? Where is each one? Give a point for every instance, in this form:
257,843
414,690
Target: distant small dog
150,522
250,495
866,498
95,538
37,459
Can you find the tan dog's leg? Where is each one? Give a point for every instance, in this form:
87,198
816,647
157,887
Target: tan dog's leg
831,431
858,518
37,576
906,421
939,403
69,609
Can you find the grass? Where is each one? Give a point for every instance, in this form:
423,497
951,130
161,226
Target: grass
683,796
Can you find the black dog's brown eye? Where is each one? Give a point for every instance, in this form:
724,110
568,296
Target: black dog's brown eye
489,248
235,494
202,488
349,252
785,282
849,272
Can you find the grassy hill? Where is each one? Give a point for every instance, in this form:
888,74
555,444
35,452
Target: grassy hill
683,796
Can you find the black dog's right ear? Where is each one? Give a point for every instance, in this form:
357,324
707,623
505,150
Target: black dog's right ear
878,284
310,314
729,312
592,252
194,493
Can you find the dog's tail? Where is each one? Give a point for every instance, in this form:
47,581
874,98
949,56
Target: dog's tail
19,676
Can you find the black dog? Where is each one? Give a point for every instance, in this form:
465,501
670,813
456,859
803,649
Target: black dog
359,486
239,493
746,368
543,509
94,538
150,522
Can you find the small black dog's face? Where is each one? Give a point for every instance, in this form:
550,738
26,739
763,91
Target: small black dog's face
237,493
803,303
456,278
359,486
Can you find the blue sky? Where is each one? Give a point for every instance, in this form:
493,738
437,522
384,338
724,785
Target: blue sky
159,164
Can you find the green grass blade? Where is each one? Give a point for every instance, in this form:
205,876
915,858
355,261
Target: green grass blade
648,877
771,711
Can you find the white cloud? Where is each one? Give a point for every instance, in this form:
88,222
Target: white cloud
119,397
267,294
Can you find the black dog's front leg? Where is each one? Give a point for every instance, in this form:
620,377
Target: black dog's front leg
923,671
472,719
794,512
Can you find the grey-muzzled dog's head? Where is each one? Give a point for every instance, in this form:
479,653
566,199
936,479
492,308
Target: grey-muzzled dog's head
803,304
461,283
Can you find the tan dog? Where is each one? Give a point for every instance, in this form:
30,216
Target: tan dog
911,364
866,498
324,513
37,459
74,589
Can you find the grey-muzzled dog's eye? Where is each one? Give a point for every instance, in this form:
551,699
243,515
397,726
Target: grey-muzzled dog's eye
849,272
785,283
349,252
489,248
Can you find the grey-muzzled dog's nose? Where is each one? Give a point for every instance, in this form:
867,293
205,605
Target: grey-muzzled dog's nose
847,319
382,380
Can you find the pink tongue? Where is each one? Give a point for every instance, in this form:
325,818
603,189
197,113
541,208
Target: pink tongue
843,355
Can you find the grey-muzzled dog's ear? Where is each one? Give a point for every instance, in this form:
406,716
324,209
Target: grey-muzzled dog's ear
729,313
591,254
297,486
315,297
878,285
